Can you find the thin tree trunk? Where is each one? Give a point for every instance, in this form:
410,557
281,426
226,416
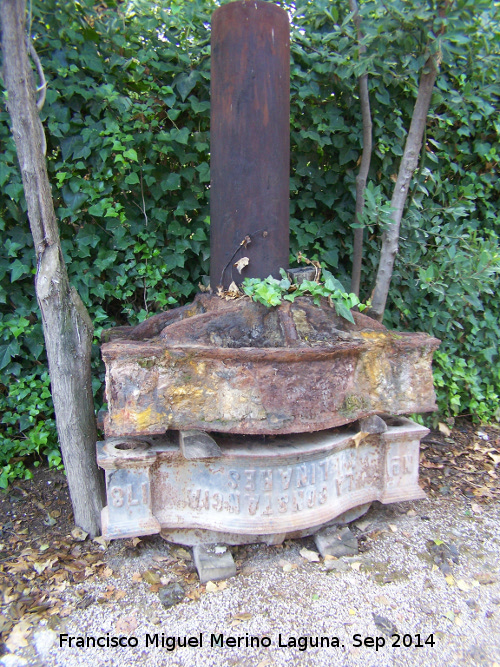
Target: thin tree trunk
357,253
66,324
409,162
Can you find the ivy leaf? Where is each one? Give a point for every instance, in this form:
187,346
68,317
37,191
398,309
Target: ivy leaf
73,200
132,178
344,312
131,154
18,269
7,352
185,84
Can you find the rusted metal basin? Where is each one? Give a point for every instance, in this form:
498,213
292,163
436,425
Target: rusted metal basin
258,488
239,367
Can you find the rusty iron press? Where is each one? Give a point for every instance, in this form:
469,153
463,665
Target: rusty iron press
229,422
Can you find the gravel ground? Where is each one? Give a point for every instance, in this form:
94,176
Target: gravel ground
446,616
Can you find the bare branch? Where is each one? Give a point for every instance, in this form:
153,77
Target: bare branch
409,162
357,257
42,88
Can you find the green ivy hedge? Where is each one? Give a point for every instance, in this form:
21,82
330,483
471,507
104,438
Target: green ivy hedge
127,126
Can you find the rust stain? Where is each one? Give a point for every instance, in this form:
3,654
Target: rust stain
244,368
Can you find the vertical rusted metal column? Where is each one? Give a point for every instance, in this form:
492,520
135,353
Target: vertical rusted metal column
250,140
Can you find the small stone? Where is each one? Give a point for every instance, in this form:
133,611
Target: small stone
426,610
445,568
198,445
337,542
171,594
220,549
337,565
372,424
211,564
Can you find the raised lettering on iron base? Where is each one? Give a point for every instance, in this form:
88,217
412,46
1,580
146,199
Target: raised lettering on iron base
125,495
292,489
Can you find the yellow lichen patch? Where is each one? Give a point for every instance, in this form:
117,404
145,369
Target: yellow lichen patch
380,336
199,367
142,419
302,326
187,390
377,369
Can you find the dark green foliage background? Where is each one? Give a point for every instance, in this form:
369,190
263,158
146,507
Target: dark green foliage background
127,126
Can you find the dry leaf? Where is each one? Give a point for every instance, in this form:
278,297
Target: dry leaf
78,534
126,625
232,291
382,599
393,527
359,437
137,576
211,587
106,572
495,457
311,556
151,577
101,541
450,580
18,567
444,429
241,263
17,637
135,541
242,616
41,567
485,578
352,612
463,586
183,553
356,566
160,559
109,592
194,594
477,509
